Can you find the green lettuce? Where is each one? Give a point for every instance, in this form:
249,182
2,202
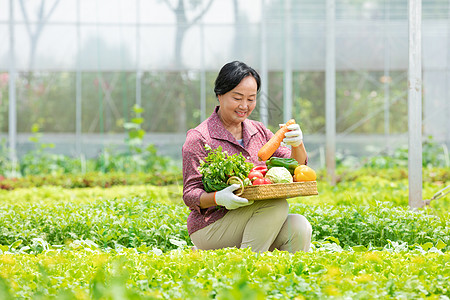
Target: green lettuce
279,175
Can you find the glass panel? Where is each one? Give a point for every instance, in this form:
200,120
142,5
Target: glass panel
223,12
4,11
4,94
47,56
40,52
371,39
157,47
21,48
107,101
108,11
108,48
46,99
4,50
309,101
156,12
171,101
42,11
65,11
275,98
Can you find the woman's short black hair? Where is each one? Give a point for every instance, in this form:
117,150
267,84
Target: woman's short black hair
232,74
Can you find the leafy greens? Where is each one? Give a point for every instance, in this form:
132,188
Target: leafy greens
219,166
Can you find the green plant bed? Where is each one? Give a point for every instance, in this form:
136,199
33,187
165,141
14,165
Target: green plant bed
437,175
374,225
87,273
370,189
93,179
131,221
150,215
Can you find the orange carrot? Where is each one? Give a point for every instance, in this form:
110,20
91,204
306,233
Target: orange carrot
272,145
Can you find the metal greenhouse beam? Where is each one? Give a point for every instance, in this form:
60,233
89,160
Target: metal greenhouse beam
138,87
12,112
202,71
330,101
415,105
264,94
78,88
287,80
386,75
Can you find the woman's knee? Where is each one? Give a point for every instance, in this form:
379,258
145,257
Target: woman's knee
300,225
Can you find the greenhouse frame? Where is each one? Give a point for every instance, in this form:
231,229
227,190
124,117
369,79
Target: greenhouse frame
74,69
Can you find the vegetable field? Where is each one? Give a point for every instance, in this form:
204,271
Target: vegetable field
131,242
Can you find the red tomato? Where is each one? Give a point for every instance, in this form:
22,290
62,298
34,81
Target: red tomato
262,169
258,181
261,181
255,175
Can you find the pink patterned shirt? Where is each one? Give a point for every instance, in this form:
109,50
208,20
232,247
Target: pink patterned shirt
212,132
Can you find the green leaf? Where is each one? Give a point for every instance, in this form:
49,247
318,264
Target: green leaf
333,239
427,246
440,245
16,244
138,109
137,120
35,128
33,139
359,248
138,134
141,133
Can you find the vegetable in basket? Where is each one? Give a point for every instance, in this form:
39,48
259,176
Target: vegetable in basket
304,173
218,167
260,181
279,175
253,175
262,169
288,163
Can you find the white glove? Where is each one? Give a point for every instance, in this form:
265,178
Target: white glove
227,198
294,136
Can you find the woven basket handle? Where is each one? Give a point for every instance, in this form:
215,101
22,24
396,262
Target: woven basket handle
235,178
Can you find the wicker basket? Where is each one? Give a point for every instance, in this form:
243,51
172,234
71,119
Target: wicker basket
278,190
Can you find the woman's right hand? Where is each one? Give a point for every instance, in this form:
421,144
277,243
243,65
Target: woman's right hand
227,198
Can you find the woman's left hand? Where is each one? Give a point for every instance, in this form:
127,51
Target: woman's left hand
294,136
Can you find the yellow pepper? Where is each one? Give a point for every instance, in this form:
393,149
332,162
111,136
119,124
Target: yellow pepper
304,173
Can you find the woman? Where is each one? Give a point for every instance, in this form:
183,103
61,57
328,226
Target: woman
222,219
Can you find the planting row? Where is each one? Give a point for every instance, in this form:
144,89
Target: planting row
93,179
173,175
148,215
88,273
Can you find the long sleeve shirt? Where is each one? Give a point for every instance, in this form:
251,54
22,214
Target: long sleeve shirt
212,132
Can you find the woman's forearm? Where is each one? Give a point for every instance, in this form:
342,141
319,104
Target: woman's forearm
207,200
299,154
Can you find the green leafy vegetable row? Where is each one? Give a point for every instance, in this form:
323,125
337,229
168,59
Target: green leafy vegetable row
93,179
225,274
156,214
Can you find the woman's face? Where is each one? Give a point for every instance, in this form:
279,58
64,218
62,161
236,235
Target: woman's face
238,104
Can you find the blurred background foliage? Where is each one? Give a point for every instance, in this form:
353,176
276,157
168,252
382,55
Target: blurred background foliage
177,93
165,55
